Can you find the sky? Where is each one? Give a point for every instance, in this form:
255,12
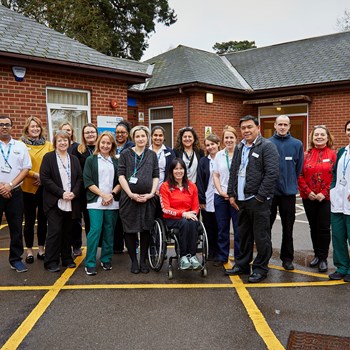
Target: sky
202,23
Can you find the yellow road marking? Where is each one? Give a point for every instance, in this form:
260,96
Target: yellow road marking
22,331
256,316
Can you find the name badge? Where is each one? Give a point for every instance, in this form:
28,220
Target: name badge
326,160
5,169
167,154
133,180
255,155
288,158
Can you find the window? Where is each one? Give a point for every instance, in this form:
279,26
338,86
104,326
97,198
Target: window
67,105
163,116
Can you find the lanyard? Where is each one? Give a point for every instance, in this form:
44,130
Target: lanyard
66,168
347,163
245,157
137,163
8,154
106,159
228,160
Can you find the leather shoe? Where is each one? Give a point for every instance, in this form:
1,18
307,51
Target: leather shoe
336,276
256,277
314,262
71,265
288,265
235,271
144,268
40,256
135,267
346,278
323,266
53,268
29,259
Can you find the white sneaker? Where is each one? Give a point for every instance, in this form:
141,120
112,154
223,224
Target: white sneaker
195,263
184,263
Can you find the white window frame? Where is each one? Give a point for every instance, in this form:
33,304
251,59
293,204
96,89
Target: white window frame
50,106
161,121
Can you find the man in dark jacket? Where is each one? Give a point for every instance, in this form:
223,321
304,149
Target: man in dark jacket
253,175
291,153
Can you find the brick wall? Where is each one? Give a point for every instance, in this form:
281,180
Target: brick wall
19,100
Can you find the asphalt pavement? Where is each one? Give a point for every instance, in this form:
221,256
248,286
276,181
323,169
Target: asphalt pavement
118,310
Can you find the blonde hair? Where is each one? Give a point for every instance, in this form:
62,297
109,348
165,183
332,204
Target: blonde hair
330,141
27,123
111,138
71,126
228,128
138,128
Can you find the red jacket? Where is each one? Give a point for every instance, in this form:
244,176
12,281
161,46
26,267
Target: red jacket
316,175
175,202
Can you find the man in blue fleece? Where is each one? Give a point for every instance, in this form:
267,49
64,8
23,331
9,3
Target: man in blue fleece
291,162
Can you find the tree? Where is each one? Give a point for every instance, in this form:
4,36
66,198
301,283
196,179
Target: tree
343,23
114,27
233,46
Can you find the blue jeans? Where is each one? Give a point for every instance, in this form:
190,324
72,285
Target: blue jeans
224,213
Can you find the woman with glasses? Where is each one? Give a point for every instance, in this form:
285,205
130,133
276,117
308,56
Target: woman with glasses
122,136
188,148
101,183
33,137
314,185
206,190
89,135
61,176
138,173
340,212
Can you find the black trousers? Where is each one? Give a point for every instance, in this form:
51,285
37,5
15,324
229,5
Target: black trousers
13,209
33,209
58,242
319,217
254,225
118,245
286,207
211,226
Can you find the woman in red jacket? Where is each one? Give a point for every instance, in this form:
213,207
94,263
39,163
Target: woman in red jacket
180,205
314,186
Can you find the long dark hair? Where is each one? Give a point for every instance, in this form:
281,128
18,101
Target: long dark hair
171,180
196,144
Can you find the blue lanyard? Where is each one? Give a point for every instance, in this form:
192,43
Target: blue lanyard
345,166
67,169
8,154
137,164
244,159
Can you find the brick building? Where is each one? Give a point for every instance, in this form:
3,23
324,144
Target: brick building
309,80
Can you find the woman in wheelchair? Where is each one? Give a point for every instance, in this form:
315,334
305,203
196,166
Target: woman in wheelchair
180,206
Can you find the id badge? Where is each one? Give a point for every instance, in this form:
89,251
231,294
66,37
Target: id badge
5,169
133,180
241,172
343,182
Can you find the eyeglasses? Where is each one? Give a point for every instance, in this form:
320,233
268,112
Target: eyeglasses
121,133
89,132
6,125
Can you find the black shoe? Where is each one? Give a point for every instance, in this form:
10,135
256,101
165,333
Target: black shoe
288,265
218,263
323,266
40,256
135,267
29,259
53,268
144,268
70,265
256,277
347,278
336,276
314,262
236,271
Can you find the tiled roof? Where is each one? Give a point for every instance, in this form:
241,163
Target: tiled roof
184,65
317,60
24,36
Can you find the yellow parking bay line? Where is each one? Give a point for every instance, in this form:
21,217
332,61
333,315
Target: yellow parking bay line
259,321
17,337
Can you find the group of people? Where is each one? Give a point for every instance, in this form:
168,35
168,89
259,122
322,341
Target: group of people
119,183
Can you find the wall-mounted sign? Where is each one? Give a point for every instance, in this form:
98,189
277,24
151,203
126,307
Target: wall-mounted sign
107,123
207,131
141,117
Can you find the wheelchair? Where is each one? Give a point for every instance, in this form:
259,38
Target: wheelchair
162,237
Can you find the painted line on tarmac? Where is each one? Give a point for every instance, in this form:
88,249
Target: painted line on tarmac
147,286
22,331
300,272
258,319
295,284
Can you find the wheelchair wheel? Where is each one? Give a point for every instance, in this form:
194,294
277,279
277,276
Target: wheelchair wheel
204,272
204,244
170,272
157,247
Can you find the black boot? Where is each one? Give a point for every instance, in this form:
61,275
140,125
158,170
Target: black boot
130,242
144,244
